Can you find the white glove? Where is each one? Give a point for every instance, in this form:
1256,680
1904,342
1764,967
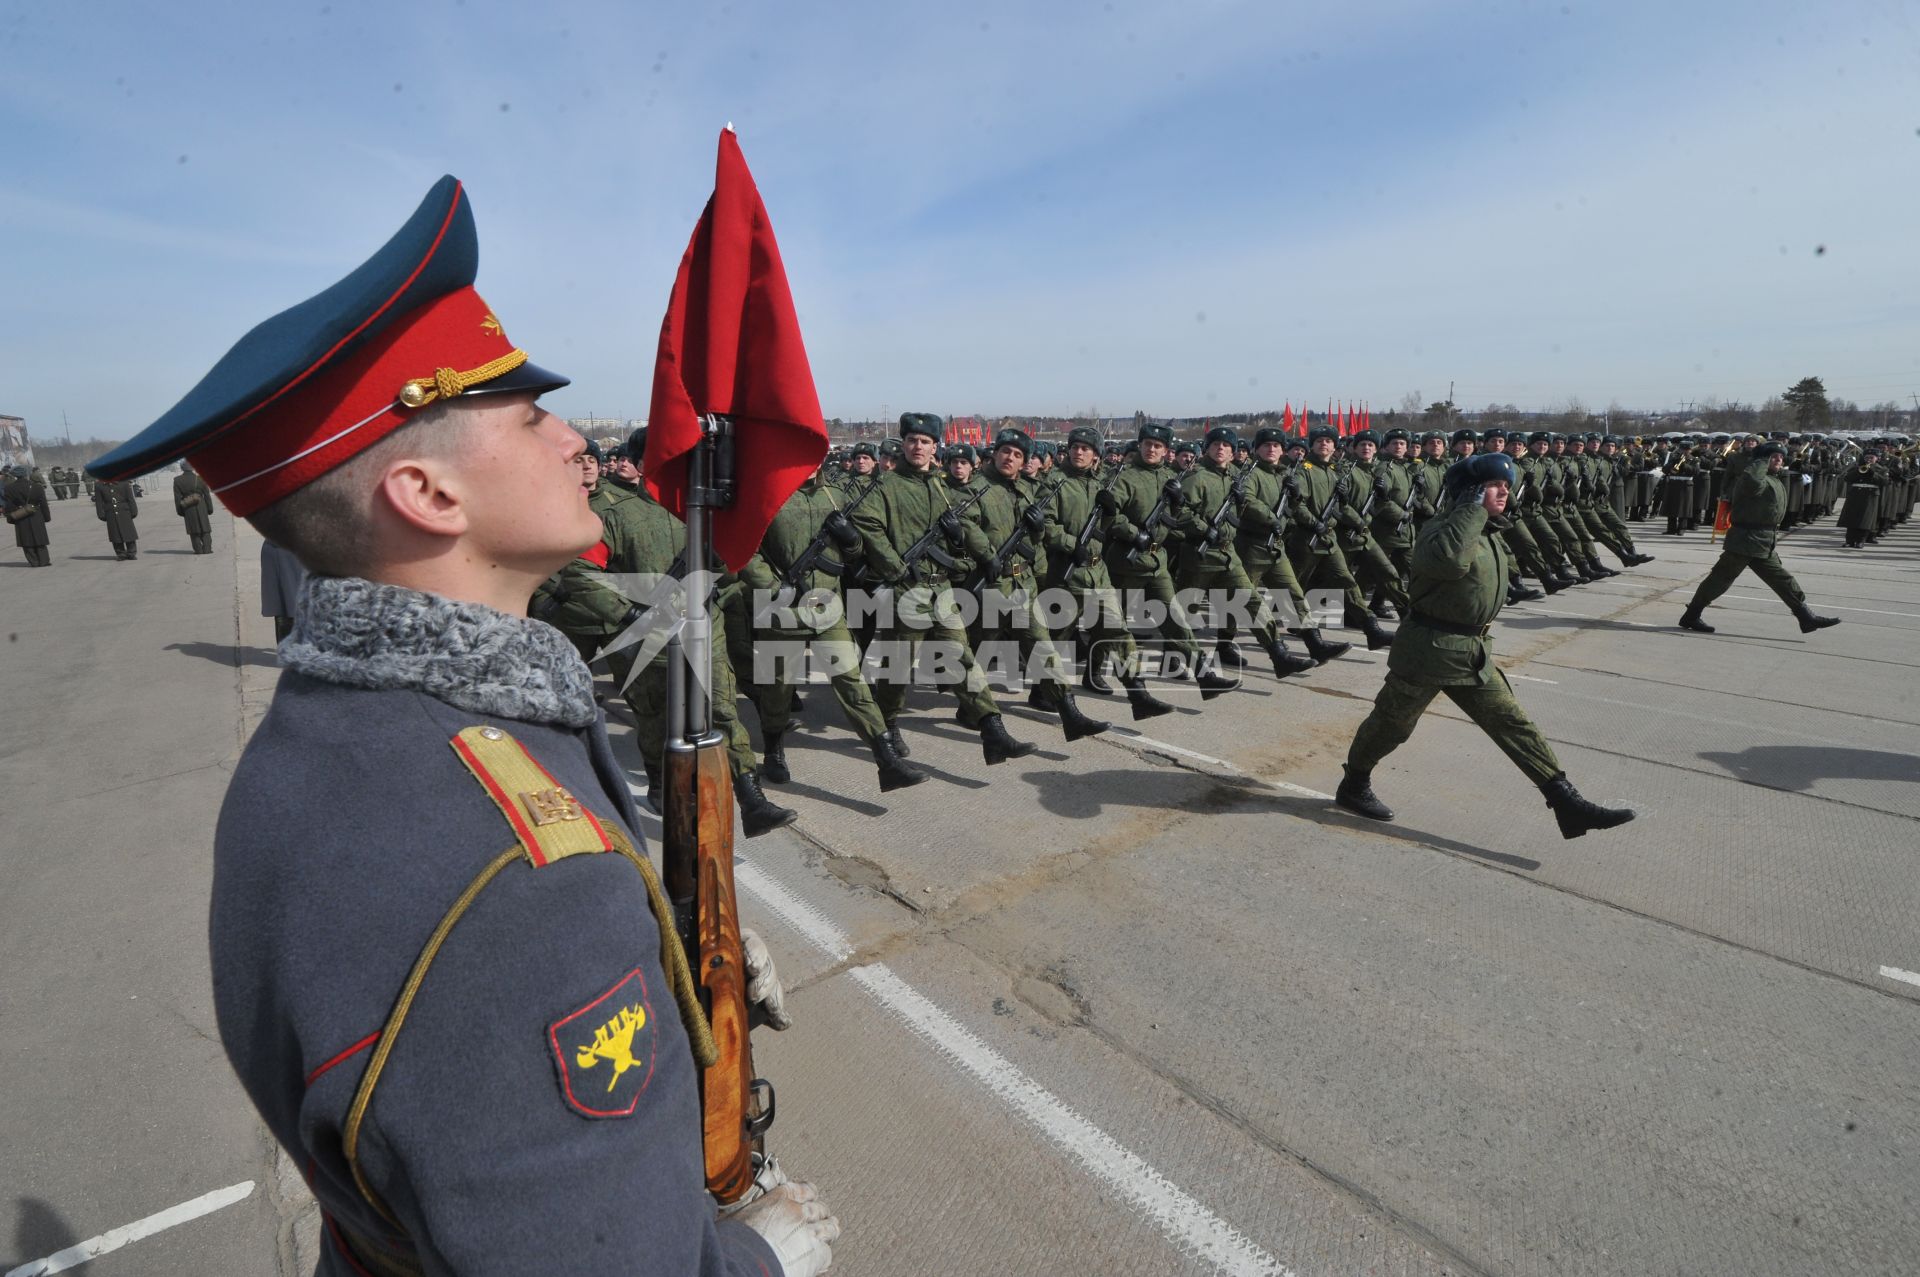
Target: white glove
1657,473
763,982
1806,481
796,1223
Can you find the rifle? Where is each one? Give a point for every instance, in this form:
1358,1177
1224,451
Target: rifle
696,821
1287,493
925,547
1081,542
805,562
1235,492
1170,490
998,563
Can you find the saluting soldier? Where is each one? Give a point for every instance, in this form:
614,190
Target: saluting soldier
193,502
114,504
26,509
482,1060
1758,499
1459,584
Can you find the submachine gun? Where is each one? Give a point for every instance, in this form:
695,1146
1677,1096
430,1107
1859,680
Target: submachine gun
810,559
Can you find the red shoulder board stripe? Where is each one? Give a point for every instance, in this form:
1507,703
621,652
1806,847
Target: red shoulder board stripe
599,555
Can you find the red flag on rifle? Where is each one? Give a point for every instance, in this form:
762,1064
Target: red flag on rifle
730,344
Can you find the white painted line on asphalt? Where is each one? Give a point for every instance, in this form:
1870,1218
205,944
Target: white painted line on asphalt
1895,973
114,1239
1281,785
1192,1227
1832,607
1528,678
1188,1224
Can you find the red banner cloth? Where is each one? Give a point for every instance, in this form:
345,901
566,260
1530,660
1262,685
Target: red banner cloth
730,344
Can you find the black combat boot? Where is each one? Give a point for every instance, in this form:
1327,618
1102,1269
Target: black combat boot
1229,653
1369,625
652,801
996,745
1382,607
1212,683
1580,574
1074,720
1519,592
1809,622
1144,703
1552,584
1690,620
1093,672
895,771
1634,558
1356,795
1317,645
1285,662
1575,814
1598,570
899,742
1564,575
758,815
773,759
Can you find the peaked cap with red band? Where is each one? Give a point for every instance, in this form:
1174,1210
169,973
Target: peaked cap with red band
323,381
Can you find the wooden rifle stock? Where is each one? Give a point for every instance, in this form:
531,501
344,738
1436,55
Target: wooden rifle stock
697,858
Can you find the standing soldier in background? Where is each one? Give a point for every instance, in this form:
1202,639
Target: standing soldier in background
26,509
193,502
1459,582
114,504
1758,497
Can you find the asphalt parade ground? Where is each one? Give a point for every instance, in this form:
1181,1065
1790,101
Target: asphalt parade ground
1146,1004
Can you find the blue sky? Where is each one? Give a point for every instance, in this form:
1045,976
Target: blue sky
1112,205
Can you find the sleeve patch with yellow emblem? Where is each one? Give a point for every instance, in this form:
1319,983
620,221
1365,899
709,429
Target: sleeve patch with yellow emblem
605,1050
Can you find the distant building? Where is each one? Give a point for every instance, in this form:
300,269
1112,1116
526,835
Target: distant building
598,427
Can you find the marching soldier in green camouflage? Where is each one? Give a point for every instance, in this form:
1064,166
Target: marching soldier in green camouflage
1210,564
913,500
1149,506
1013,514
1591,500
1265,516
1540,509
1319,512
1758,498
795,578
1076,536
1459,583
1382,490
644,542
1612,478
1527,557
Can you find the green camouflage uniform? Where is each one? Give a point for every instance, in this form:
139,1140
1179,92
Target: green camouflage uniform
1459,581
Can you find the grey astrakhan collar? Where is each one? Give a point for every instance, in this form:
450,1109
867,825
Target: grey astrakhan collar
360,633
